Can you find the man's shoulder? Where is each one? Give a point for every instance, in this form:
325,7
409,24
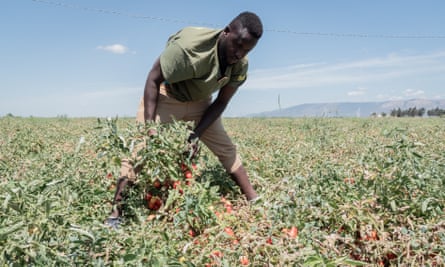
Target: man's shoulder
196,35
199,30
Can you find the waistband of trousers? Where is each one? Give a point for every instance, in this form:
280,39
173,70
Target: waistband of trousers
164,89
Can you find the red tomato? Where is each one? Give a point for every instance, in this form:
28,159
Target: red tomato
229,231
148,197
155,203
228,208
188,174
217,254
194,166
373,235
192,233
184,167
349,180
157,183
293,232
244,260
176,184
391,256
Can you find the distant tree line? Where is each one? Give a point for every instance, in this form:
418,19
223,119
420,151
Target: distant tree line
415,112
411,112
436,112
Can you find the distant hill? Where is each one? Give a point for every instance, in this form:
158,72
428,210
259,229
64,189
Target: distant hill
359,109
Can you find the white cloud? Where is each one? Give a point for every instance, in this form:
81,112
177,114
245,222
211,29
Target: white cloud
405,94
413,92
358,92
114,48
370,70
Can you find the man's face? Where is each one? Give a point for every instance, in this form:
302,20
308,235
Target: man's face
235,43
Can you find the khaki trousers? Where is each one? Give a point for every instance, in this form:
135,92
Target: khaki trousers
215,137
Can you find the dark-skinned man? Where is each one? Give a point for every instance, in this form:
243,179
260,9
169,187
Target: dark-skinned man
196,63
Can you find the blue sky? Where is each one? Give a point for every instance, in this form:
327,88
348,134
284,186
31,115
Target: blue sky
91,57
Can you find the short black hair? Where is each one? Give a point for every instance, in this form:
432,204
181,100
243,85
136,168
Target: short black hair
251,22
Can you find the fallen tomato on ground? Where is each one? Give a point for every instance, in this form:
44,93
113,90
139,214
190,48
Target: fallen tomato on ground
155,203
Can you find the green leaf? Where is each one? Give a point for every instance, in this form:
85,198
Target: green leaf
11,229
83,233
130,257
425,204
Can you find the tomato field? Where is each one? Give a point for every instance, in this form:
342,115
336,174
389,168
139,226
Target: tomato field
334,192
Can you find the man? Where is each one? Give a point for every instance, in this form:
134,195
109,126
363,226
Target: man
196,63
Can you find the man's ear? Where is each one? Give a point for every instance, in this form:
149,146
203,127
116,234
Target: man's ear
226,30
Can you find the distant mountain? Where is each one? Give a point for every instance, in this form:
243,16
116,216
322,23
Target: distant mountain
359,109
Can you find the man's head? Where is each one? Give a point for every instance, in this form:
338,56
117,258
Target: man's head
239,37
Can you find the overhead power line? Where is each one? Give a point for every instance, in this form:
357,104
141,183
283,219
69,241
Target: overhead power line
180,21
361,35
122,14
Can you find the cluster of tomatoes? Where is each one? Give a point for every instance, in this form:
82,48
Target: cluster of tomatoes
157,192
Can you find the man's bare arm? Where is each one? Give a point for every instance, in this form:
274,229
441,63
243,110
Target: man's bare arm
215,110
151,91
